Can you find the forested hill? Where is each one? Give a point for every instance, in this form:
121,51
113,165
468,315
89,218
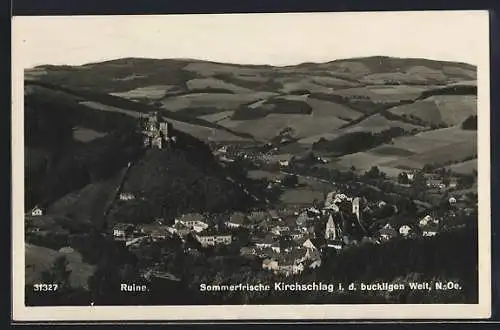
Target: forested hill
75,176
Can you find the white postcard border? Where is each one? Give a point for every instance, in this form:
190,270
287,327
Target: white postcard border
253,312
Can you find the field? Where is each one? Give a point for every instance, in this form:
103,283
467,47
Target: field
219,101
301,196
384,93
374,124
153,92
271,125
447,109
322,108
39,259
86,134
217,117
212,83
431,147
466,167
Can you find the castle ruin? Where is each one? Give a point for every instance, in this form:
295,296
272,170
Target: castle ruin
157,133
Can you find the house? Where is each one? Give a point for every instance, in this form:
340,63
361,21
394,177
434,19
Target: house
410,176
156,232
273,214
306,242
248,251
124,196
121,230
291,263
135,241
236,220
332,207
425,220
337,244
315,264
388,232
404,230
284,163
266,242
302,219
452,200
435,182
453,182
381,204
36,211
430,230
341,197
313,211
276,247
179,229
280,230
270,264
297,234
195,221
212,239
257,216
222,149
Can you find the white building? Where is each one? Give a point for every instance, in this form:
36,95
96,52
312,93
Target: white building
36,211
214,239
126,196
404,230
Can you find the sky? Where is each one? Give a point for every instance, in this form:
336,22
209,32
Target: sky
275,39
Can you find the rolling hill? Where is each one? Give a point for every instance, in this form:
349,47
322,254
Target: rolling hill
226,102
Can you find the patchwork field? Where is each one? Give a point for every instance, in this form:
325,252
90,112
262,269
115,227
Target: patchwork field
384,93
322,108
269,126
153,93
431,147
213,83
446,109
374,124
215,100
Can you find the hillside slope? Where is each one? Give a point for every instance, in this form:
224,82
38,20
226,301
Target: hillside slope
78,178
238,99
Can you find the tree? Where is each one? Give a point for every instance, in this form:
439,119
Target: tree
419,184
290,180
374,173
403,178
58,273
470,123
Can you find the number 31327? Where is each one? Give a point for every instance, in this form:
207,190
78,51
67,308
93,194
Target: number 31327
42,287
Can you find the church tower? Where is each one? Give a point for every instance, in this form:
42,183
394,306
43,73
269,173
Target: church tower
331,230
355,207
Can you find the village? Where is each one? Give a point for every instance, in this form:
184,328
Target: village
287,239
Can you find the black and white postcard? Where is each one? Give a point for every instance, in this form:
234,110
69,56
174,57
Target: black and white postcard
251,167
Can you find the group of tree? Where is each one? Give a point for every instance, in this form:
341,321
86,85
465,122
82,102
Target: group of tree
357,141
470,123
